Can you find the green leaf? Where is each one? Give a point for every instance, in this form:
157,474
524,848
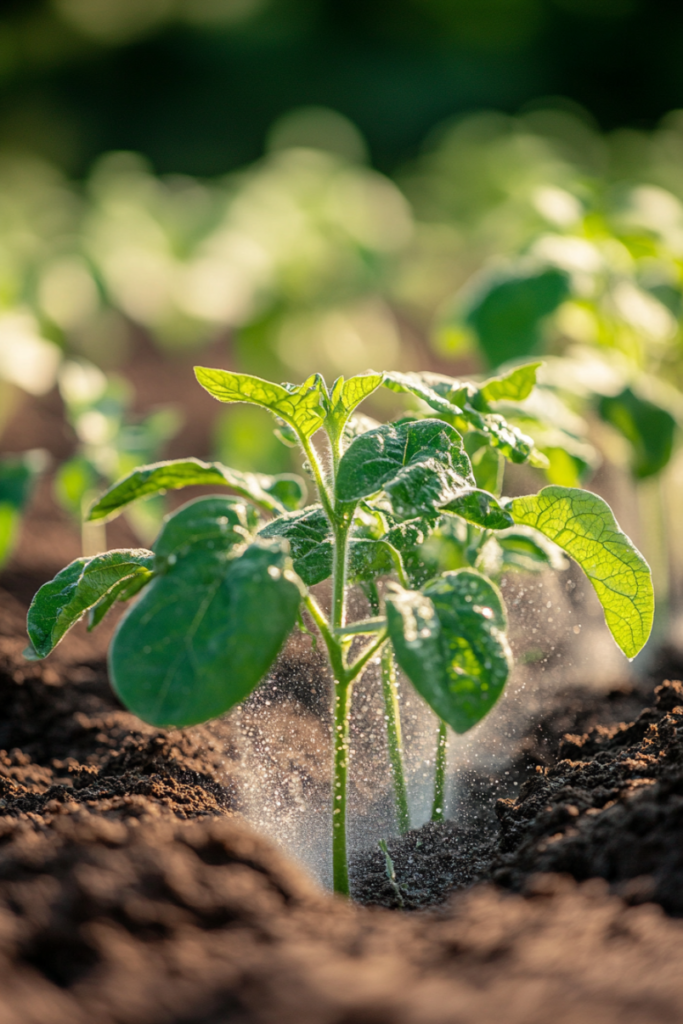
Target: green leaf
124,591
214,524
345,396
648,427
450,641
299,405
507,313
455,402
59,604
481,508
583,525
514,386
202,636
310,541
420,464
273,493
417,384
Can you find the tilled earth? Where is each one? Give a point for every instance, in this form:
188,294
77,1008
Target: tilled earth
132,891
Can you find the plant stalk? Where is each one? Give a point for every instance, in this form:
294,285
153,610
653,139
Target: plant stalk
342,705
440,773
340,870
394,741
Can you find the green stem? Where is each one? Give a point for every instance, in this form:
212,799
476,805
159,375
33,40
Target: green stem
440,773
342,706
394,742
340,869
355,669
321,484
341,536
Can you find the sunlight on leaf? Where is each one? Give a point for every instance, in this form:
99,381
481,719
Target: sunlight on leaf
583,525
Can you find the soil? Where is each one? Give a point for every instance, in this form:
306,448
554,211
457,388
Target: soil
132,891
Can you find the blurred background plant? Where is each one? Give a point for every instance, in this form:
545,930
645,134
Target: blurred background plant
298,185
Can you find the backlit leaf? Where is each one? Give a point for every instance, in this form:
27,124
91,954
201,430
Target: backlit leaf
450,641
299,405
346,395
514,386
59,604
201,637
274,493
583,525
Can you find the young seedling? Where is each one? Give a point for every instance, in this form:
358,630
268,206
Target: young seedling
229,576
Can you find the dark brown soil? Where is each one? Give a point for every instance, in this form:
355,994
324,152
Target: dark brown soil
131,891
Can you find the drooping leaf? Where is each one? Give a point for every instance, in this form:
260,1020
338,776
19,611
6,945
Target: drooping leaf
310,541
202,636
507,313
514,386
274,493
420,464
59,604
345,396
481,508
299,405
450,641
583,525
649,428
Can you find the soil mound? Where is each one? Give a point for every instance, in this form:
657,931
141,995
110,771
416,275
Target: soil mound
612,807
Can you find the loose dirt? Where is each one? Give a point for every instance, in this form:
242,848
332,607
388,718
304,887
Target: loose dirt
132,892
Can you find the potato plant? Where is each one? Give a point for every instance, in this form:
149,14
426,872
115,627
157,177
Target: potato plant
230,576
